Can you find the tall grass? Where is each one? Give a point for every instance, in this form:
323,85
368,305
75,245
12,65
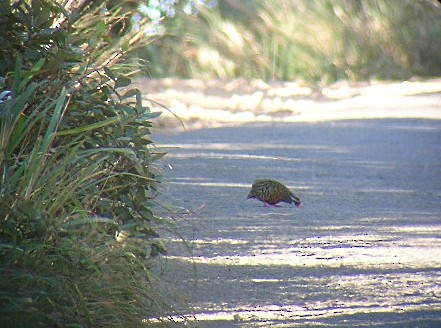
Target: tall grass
320,41
78,172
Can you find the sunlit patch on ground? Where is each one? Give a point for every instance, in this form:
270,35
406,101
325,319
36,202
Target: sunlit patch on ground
394,270
341,250
213,103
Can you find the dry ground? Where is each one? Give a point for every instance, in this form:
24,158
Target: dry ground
201,104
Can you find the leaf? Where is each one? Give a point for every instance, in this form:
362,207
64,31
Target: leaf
27,76
149,232
122,214
146,214
122,81
90,127
125,139
158,247
109,73
130,93
88,220
12,123
146,117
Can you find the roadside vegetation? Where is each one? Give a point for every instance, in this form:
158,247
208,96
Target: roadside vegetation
317,41
78,170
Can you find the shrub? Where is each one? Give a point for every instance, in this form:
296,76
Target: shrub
78,177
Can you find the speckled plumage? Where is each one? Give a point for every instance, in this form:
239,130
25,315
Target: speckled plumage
272,192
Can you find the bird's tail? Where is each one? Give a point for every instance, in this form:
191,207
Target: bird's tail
296,200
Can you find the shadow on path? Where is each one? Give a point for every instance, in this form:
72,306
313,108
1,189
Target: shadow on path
362,251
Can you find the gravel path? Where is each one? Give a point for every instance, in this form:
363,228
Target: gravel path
363,250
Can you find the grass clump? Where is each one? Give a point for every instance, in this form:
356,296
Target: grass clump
78,173
319,41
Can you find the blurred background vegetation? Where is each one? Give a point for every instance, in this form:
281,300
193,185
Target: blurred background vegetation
318,41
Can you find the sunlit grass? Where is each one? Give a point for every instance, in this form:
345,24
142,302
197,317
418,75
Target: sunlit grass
319,41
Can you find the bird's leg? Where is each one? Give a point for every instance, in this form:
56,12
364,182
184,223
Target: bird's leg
265,204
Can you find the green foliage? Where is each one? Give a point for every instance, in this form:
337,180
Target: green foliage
78,177
319,41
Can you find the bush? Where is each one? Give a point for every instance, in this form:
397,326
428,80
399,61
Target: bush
78,232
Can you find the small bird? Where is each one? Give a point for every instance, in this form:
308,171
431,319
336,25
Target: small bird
271,192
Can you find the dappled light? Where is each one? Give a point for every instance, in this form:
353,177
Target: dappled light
200,104
361,249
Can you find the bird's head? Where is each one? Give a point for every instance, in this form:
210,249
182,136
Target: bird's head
251,194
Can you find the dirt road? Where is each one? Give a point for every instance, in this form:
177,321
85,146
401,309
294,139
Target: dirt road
200,104
363,250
